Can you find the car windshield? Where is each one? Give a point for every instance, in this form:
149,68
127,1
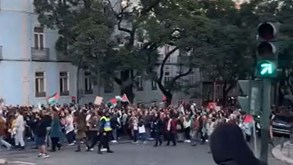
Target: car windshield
283,118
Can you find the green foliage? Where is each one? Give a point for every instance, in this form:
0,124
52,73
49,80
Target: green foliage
82,35
212,35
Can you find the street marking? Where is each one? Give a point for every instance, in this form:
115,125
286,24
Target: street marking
22,163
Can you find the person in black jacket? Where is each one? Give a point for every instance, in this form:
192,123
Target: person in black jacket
41,133
158,129
229,147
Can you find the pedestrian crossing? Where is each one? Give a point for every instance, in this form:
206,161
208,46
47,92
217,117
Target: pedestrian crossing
20,163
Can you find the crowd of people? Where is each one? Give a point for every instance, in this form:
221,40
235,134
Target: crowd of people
56,126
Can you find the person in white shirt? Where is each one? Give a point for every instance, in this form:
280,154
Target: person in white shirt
69,127
20,126
187,125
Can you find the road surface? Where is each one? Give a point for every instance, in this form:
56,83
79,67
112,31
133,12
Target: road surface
125,154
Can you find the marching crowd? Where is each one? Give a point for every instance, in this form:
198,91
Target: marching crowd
56,126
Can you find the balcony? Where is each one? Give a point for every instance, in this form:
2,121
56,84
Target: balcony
40,54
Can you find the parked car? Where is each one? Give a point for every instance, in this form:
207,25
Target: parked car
282,124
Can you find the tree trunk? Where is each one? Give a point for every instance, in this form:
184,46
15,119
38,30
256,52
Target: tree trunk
225,95
169,97
126,84
78,94
128,90
226,89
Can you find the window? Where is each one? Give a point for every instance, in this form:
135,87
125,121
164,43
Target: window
40,84
167,50
154,85
39,37
139,84
192,79
167,80
108,86
88,84
64,83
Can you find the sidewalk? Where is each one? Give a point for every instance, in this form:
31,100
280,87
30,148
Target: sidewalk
284,154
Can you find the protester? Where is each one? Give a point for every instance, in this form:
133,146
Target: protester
41,133
55,131
2,133
19,130
92,124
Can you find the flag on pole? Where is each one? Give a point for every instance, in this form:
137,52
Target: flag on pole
112,103
164,98
118,98
53,99
125,98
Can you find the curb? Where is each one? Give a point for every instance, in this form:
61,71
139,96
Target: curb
277,153
3,161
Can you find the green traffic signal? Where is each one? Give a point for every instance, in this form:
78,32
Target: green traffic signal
267,68
266,50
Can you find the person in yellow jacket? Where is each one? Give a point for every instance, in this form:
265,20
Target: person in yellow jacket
105,133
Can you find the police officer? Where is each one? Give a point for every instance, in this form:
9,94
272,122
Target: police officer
105,133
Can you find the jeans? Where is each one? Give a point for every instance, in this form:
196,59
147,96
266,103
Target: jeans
70,137
142,137
55,143
158,138
115,134
135,135
5,143
93,138
187,133
171,138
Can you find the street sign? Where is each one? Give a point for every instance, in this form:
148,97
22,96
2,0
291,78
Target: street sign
251,99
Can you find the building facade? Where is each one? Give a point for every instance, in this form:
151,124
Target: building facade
31,70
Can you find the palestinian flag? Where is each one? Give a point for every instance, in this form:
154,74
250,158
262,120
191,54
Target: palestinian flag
118,98
164,98
125,99
53,99
112,103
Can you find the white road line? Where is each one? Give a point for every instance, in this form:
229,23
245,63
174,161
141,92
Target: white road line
22,163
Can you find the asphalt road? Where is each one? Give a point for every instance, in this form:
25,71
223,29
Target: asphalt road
125,154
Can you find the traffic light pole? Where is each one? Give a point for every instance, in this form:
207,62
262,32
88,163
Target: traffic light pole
266,112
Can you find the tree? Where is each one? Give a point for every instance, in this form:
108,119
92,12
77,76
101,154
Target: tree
232,54
152,24
84,38
284,17
183,26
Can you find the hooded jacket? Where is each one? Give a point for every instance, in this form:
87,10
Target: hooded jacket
229,147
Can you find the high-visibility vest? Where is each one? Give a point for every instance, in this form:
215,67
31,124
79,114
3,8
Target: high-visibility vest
107,126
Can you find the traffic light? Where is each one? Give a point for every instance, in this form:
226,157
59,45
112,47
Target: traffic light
251,101
267,56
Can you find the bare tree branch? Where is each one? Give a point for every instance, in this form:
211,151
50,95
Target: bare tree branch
164,63
119,17
178,77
